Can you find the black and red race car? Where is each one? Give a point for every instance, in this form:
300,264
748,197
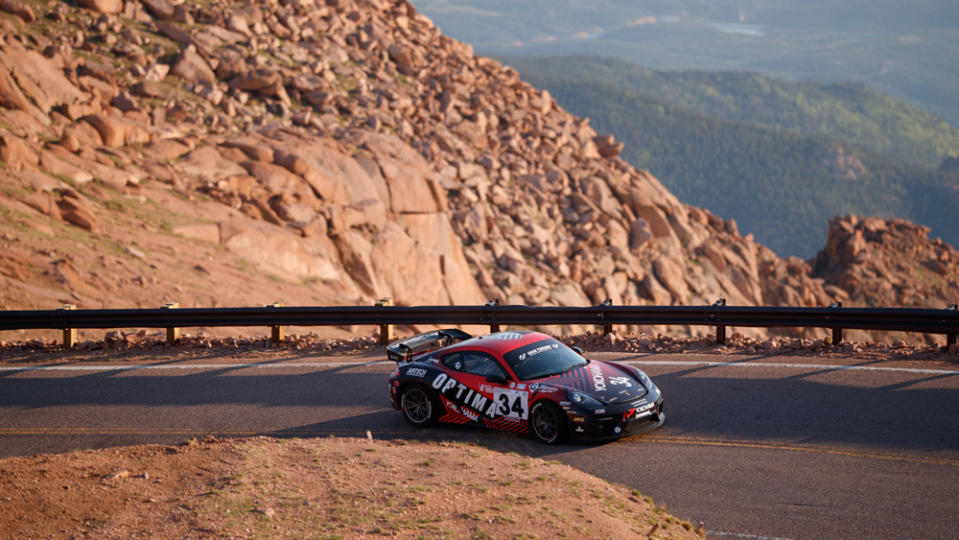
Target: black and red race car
519,381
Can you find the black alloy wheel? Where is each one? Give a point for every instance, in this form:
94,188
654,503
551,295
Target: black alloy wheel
417,406
547,422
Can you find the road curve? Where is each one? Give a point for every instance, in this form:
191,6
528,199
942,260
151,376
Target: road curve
754,448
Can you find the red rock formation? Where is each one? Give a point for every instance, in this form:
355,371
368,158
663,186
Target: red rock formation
350,151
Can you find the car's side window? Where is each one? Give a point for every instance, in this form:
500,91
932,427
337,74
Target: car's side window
454,361
474,363
482,364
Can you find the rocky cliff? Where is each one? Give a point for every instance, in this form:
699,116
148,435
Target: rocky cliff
888,263
234,153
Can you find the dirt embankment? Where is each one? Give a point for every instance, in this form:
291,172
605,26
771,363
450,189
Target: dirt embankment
317,488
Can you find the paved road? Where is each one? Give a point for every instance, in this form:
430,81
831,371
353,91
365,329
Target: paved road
757,448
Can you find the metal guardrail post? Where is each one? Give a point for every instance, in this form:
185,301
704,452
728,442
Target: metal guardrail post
720,328
172,332
276,332
607,326
951,337
836,332
493,326
69,334
386,330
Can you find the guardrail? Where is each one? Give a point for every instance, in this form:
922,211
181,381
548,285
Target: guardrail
275,316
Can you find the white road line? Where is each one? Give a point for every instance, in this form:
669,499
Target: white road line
710,534
824,367
330,365
162,367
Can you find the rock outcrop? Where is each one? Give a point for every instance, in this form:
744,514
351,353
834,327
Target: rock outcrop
888,263
349,150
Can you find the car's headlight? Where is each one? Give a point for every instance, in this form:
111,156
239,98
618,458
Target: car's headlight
583,400
644,379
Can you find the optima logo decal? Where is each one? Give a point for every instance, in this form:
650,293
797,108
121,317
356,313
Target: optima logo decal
463,395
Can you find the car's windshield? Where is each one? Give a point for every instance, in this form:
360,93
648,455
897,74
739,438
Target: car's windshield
542,358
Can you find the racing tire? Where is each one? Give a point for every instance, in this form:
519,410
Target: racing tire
417,406
547,422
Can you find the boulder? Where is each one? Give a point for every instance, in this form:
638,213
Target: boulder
355,253
672,275
115,131
10,95
275,249
17,154
109,7
434,234
39,79
255,149
192,67
58,167
409,178
410,273
207,163
161,9
75,211
403,58
18,8
256,80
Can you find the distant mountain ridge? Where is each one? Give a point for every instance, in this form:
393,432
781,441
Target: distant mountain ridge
906,50
779,185
850,112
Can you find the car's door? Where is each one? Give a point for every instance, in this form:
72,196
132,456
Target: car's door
483,386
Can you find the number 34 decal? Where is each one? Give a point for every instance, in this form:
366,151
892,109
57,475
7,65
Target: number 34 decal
512,403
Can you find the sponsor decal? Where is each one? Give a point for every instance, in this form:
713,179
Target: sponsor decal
466,397
538,350
646,407
638,403
624,381
579,429
599,382
416,372
600,411
564,403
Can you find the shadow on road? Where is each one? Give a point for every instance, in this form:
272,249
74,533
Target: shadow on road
906,415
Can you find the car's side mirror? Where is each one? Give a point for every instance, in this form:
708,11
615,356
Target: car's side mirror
496,379
578,350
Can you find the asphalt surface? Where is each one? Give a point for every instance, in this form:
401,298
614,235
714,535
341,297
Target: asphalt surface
758,448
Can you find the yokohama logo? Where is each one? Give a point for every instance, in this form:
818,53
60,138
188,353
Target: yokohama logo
599,382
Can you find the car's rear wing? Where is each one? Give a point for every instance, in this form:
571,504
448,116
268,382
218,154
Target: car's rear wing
405,350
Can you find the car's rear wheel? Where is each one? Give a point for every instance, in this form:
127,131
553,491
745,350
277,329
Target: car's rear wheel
417,406
547,422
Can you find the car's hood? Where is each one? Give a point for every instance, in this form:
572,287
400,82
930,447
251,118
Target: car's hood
603,381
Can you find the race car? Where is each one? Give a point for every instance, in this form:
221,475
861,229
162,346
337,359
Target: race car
519,381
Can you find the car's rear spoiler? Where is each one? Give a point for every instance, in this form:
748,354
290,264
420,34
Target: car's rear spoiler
405,349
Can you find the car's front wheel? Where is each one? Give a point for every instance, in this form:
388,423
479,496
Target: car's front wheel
547,422
417,406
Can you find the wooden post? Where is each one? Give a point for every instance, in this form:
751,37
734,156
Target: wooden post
836,332
276,332
69,334
172,333
386,330
720,328
951,336
493,326
607,327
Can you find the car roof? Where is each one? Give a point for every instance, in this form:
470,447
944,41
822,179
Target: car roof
499,343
